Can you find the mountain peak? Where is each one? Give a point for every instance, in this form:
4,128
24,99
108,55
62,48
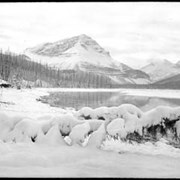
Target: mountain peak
60,47
83,36
82,53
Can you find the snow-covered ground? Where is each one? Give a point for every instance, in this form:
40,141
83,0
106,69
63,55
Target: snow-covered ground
24,102
31,160
55,159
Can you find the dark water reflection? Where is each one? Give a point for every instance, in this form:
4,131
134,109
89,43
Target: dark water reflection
78,100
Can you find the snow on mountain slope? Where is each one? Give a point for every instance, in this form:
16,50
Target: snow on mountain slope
68,53
161,69
85,54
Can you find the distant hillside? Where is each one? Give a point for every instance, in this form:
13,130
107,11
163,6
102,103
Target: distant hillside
171,82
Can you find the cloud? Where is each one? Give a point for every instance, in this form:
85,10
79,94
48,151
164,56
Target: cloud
3,36
132,32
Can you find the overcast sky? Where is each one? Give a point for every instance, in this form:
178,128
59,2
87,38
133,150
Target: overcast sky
134,33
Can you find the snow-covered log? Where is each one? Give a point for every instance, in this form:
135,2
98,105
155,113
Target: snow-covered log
97,137
125,121
23,130
53,137
81,131
66,122
117,127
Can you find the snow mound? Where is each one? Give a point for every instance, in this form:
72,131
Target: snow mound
53,137
7,123
109,113
129,123
117,128
97,137
157,115
65,122
80,132
125,122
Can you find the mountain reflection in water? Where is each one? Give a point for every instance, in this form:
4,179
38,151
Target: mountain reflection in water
77,100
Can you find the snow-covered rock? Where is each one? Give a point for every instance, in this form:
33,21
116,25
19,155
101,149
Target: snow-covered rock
7,124
129,122
23,130
159,114
117,127
94,124
97,137
65,122
109,113
53,137
79,133
126,122
86,113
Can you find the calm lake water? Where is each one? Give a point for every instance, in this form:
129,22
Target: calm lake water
77,100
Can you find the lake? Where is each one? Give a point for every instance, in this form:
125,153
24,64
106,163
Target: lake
94,99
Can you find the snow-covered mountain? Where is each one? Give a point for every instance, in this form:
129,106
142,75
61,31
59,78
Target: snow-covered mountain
161,69
71,53
85,54
172,82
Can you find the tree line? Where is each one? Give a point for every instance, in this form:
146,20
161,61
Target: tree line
20,71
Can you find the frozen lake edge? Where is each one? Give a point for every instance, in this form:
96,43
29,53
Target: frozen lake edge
31,160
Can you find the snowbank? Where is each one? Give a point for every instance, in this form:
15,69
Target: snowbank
24,102
97,137
80,132
69,144
117,128
129,122
37,140
20,129
65,122
126,122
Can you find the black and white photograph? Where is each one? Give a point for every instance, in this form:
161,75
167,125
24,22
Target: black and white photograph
90,89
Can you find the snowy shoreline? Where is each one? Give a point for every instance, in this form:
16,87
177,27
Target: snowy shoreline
28,159
25,99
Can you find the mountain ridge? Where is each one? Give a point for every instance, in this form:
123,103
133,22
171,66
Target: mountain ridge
85,54
161,69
